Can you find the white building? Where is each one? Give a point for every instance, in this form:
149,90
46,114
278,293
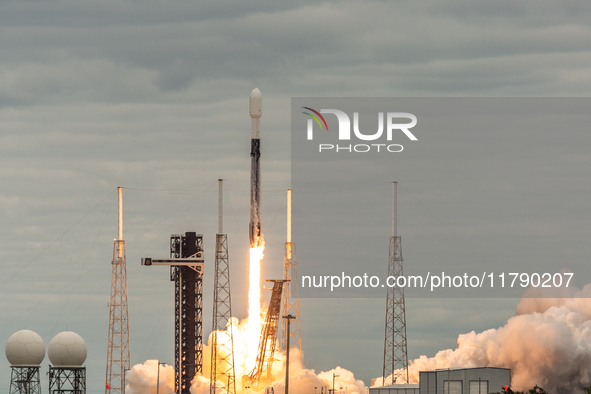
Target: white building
395,389
484,380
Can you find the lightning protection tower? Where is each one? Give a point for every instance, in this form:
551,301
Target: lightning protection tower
395,354
290,302
118,347
222,349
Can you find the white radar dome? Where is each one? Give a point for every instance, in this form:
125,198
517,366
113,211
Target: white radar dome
67,349
25,348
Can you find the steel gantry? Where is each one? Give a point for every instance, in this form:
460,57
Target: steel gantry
186,271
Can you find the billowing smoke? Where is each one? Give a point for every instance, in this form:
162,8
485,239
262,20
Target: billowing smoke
303,380
547,343
142,377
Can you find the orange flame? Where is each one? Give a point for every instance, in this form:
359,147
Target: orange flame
254,305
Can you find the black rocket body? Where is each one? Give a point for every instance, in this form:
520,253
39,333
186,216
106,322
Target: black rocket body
256,224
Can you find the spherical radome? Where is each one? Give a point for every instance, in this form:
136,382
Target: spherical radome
25,348
67,349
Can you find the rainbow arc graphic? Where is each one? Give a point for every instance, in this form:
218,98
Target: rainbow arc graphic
316,116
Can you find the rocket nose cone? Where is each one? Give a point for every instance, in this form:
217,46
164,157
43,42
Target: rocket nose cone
256,104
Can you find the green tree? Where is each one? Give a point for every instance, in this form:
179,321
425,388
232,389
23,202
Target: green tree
537,390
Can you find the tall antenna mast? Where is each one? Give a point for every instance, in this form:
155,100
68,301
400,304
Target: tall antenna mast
395,352
394,224
220,206
120,226
118,353
288,215
290,302
222,376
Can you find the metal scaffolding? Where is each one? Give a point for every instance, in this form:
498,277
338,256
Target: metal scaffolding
25,380
222,348
67,380
290,302
261,374
186,271
395,352
188,283
118,352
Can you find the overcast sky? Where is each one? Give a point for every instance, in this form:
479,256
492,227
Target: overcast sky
153,96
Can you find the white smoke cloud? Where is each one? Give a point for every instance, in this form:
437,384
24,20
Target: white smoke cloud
200,385
548,343
303,380
142,377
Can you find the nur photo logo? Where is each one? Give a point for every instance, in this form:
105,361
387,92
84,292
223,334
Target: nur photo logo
395,122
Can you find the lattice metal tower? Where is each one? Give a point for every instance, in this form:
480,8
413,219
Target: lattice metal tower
66,380
261,374
222,348
25,380
118,347
395,352
290,302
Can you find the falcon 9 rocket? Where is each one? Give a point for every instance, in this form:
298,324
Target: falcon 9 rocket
256,224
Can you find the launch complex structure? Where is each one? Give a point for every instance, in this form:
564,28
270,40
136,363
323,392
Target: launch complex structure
261,374
187,263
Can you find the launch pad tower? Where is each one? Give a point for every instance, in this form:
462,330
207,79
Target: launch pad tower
261,374
186,271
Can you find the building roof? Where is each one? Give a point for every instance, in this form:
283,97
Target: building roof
397,386
461,368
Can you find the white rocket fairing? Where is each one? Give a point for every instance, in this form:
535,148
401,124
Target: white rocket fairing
256,224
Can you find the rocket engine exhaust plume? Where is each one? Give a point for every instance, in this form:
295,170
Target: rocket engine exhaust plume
254,305
547,343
